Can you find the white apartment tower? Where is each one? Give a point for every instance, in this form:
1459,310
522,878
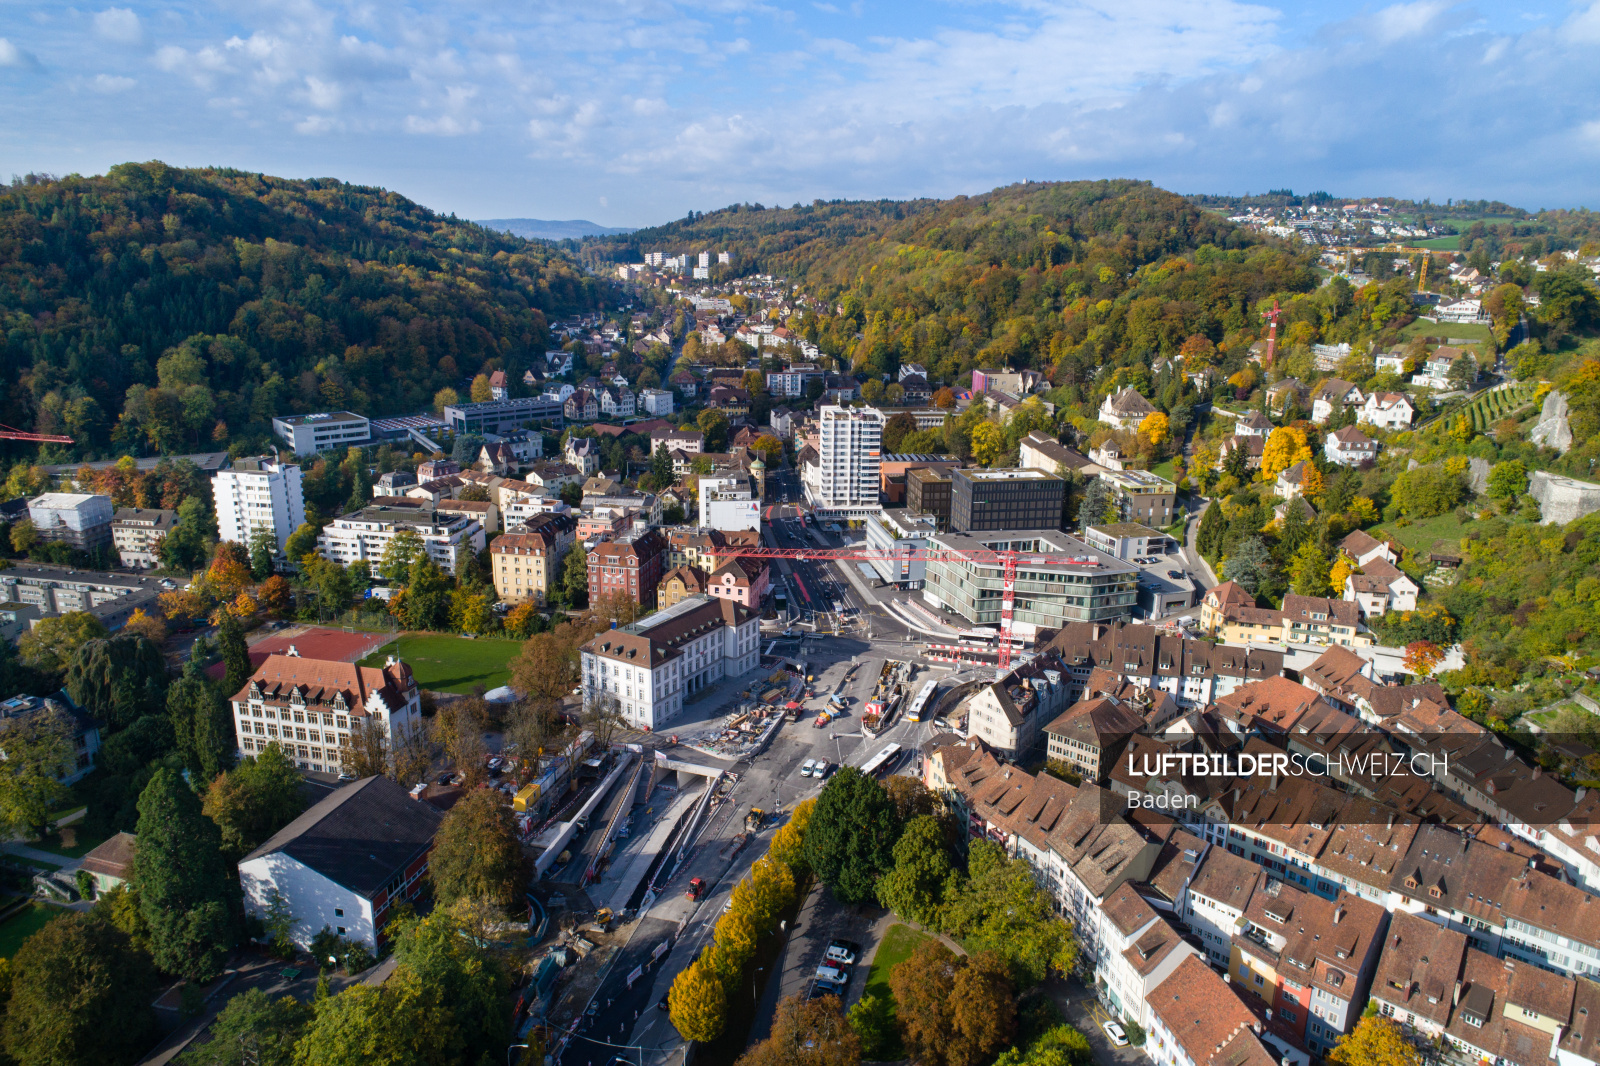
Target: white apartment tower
847,462
260,493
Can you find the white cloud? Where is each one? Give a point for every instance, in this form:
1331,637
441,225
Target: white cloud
118,25
110,83
443,126
12,56
323,95
1400,21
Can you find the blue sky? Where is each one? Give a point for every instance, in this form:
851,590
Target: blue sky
630,112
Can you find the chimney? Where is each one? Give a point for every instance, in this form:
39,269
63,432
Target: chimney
1338,913
1455,1000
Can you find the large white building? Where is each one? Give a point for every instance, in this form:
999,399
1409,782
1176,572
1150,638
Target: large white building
260,493
650,666
364,535
346,864
845,481
309,707
326,431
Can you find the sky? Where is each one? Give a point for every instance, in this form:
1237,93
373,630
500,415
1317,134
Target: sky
633,112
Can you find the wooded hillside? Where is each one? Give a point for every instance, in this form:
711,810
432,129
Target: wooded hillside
160,309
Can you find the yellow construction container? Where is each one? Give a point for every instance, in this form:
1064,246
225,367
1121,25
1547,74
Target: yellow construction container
525,799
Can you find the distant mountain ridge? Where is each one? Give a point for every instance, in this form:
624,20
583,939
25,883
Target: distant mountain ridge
544,229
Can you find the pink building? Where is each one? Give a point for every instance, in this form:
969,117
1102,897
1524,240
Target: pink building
744,581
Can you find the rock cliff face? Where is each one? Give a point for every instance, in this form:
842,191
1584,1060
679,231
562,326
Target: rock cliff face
1478,475
1552,428
1562,499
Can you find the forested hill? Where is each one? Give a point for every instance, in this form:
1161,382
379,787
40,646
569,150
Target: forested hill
161,309
1062,277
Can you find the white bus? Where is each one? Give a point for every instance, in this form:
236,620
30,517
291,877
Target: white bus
920,703
880,760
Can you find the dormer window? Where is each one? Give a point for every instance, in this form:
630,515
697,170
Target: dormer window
1411,882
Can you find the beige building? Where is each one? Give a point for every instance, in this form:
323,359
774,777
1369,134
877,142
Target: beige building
137,533
527,565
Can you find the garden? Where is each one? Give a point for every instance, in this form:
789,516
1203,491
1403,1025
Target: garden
441,662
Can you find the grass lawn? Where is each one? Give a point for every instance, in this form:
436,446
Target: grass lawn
446,663
1167,470
1439,244
898,944
1419,536
86,842
22,925
1471,331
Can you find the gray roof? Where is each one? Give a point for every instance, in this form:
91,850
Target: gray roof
359,836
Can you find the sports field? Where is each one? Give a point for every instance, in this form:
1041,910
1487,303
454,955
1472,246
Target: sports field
445,663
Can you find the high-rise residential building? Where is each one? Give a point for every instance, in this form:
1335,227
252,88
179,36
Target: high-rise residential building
259,493
982,500
847,462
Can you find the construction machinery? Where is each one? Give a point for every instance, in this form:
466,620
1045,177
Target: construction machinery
7,433
1271,319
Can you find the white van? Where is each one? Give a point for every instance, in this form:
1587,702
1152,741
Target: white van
836,975
807,767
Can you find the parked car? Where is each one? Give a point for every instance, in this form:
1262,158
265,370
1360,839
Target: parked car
807,767
844,952
1119,1037
836,975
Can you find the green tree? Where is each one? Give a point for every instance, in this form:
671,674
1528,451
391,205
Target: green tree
850,840
1463,372
50,644
202,724
302,542
1250,566
714,424
425,601
1427,491
254,800
477,853
1099,503
38,750
1213,528
1002,909
366,1026
235,653
399,555
872,1018
80,993
1508,480
464,985
1308,570
575,577
252,1030
184,890
661,466
117,678
263,553
923,876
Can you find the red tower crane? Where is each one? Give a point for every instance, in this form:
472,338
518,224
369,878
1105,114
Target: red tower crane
1271,318
1007,561
7,433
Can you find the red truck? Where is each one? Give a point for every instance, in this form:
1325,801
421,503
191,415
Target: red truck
697,885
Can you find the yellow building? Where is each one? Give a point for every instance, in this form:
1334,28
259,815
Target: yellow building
527,565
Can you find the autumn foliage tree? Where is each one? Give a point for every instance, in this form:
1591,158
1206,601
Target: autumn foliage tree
1421,656
1375,1041
806,1033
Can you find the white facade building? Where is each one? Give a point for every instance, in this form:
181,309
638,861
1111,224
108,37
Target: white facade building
656,401
898,535
364,535
260,493
847,462
80,519
648,667
327,431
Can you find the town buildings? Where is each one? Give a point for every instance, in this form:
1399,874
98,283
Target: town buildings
842,482
503,416
631,564
311,708
928,491
899,535
334,872
1125,409
327,431
1061,580
259,493
1142,496
364,535
1349,447
81,520
527,565
651,666
984,500
137,533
